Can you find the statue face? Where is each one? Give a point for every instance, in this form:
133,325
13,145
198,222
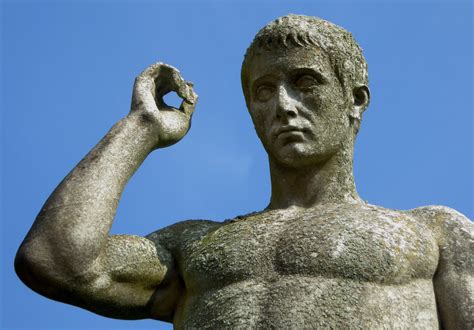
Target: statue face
297,106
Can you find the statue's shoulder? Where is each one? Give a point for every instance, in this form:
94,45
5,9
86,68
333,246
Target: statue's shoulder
447,223
433,216
440,215
175,235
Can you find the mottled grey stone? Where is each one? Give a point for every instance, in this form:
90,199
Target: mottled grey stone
317,257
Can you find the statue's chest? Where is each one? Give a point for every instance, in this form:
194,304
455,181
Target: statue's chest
359,247
376,248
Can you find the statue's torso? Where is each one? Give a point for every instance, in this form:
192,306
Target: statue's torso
328,266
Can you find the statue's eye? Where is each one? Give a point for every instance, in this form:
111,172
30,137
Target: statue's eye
306,81
264,93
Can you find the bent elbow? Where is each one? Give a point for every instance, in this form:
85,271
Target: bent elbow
37,272
24,267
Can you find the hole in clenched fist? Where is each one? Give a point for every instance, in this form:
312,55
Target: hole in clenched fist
172,100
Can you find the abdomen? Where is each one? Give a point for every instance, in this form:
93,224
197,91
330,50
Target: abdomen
311,302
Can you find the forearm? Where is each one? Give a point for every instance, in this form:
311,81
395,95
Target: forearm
72,227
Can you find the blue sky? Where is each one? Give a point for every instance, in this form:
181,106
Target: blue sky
67,74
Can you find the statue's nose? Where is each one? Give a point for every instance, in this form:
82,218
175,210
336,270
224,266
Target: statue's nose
286,106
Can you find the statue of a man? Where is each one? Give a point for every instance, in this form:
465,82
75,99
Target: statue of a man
317,256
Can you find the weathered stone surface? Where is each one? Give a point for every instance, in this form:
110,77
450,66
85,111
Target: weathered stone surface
317,257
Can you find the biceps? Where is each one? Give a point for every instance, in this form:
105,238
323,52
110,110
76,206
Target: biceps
134,260
124,279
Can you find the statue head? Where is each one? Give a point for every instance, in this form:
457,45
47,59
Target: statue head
308,75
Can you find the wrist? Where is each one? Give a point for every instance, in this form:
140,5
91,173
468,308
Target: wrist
142,130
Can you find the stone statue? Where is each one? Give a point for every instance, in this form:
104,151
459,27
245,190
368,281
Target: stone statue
317,257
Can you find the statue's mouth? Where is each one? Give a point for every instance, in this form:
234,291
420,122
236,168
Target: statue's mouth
289,130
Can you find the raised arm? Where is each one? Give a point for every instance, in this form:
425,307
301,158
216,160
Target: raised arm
68,254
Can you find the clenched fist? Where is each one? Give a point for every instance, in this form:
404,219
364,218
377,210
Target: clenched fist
170,124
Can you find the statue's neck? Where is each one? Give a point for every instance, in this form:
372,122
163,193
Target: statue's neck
331,181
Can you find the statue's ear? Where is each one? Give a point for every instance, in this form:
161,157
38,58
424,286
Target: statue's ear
361,99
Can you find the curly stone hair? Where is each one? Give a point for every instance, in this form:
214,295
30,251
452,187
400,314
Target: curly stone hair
292,30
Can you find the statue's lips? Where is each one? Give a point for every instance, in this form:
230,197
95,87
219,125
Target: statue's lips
289,130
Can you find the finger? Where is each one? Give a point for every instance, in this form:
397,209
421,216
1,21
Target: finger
141,88
143,97
188,107
153,71
186,92
160,78
169,80
155,81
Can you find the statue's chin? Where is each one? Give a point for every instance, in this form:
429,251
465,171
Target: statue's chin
298,155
